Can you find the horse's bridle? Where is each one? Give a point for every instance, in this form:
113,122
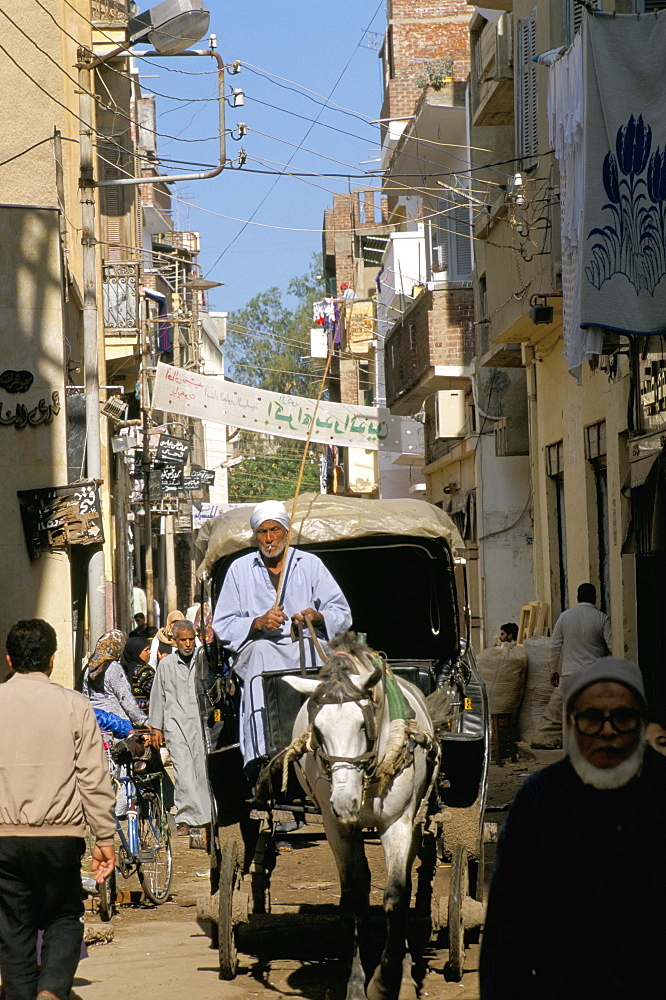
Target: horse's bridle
365,762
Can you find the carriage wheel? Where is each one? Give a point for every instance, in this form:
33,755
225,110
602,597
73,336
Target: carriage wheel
457,893
231,873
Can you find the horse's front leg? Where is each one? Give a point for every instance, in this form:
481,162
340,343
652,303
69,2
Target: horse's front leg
354,873
393,977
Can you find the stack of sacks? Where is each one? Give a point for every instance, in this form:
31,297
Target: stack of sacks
503,669
538,688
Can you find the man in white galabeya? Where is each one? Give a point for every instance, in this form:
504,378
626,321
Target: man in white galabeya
256,621
581,636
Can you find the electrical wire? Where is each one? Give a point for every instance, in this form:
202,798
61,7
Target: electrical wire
272,188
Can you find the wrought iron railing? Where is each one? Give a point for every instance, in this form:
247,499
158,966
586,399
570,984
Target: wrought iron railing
109,11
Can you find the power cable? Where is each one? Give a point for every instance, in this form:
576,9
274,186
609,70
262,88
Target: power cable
272,187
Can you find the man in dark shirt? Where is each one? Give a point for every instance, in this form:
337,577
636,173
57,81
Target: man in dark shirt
576,900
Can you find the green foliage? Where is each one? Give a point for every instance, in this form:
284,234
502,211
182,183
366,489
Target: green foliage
267,346
268,343
272,477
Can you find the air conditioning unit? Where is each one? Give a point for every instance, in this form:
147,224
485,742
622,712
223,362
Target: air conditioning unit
450,413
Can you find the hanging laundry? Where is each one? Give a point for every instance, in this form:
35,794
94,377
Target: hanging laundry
623,240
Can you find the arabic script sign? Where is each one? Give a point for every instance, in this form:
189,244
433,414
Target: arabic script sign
59,516
207,397
172,449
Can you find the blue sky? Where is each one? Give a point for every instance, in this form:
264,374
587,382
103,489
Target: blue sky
309,44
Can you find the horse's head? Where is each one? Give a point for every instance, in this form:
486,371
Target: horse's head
344,734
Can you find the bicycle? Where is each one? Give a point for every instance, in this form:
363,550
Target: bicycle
145,838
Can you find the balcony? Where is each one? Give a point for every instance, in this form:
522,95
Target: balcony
357,318
430,347
403,274
109,11
491,78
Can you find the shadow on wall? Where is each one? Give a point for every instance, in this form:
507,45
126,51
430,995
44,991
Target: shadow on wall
33,433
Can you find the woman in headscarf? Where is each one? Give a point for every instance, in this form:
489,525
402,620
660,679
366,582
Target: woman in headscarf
138,671
164,638
105,683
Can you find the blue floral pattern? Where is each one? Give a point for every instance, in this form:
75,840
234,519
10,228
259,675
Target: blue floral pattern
634,179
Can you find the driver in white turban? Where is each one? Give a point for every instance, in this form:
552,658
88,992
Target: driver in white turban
246,617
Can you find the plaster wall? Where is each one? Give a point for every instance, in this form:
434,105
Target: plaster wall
33,457
563,411
505,535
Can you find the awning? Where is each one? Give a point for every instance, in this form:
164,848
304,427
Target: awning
638,471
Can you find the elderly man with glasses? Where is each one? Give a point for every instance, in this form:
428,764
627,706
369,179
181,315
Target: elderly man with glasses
577,896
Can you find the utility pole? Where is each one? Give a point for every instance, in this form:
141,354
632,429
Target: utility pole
96,572
145,465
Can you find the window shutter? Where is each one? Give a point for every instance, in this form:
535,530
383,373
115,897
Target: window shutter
462,241
527,118
575,17
452,238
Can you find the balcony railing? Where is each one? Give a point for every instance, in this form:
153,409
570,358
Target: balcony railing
109,11
120,291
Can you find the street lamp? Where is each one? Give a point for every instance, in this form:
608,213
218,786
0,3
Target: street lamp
171,26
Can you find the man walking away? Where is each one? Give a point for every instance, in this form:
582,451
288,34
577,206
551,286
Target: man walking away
581,636
54,779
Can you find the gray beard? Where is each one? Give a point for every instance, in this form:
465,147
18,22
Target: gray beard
602,777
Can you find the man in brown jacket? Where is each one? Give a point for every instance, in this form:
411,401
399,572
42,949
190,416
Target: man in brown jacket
54,779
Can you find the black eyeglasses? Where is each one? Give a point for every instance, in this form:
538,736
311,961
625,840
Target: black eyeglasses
591,721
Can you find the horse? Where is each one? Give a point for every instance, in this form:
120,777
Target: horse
365,752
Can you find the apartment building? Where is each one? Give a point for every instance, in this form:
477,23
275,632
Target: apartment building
594,440
475,463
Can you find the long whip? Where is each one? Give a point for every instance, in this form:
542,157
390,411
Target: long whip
299,479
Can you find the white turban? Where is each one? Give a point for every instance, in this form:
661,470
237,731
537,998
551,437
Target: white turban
269,510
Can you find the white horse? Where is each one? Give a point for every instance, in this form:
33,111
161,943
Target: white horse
368,763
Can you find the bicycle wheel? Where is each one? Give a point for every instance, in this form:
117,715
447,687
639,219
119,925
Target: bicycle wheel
155,861
107,897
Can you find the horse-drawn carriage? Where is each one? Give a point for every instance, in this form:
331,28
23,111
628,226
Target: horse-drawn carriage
395,562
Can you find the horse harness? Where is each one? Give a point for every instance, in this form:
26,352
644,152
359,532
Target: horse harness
367,761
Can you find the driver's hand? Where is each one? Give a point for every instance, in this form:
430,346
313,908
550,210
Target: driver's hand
272,621
315,617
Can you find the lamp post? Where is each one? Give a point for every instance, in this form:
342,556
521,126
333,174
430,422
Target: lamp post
170,26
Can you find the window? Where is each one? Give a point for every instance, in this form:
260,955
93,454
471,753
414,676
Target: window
451,238
527,139
646,6
574,17
595,453
557,527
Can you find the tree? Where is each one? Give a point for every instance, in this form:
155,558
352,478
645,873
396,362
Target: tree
268,346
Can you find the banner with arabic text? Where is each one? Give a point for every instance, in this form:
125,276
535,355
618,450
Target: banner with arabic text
210,397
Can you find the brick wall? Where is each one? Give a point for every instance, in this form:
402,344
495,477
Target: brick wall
438,330
420,32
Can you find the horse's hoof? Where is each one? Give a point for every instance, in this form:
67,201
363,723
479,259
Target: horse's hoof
377,990
407,986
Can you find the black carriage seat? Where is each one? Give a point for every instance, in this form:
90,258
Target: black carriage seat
282,704
420,673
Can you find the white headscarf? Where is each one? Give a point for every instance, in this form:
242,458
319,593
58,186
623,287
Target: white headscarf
269,510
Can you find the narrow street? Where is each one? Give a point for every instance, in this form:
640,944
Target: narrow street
293,952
